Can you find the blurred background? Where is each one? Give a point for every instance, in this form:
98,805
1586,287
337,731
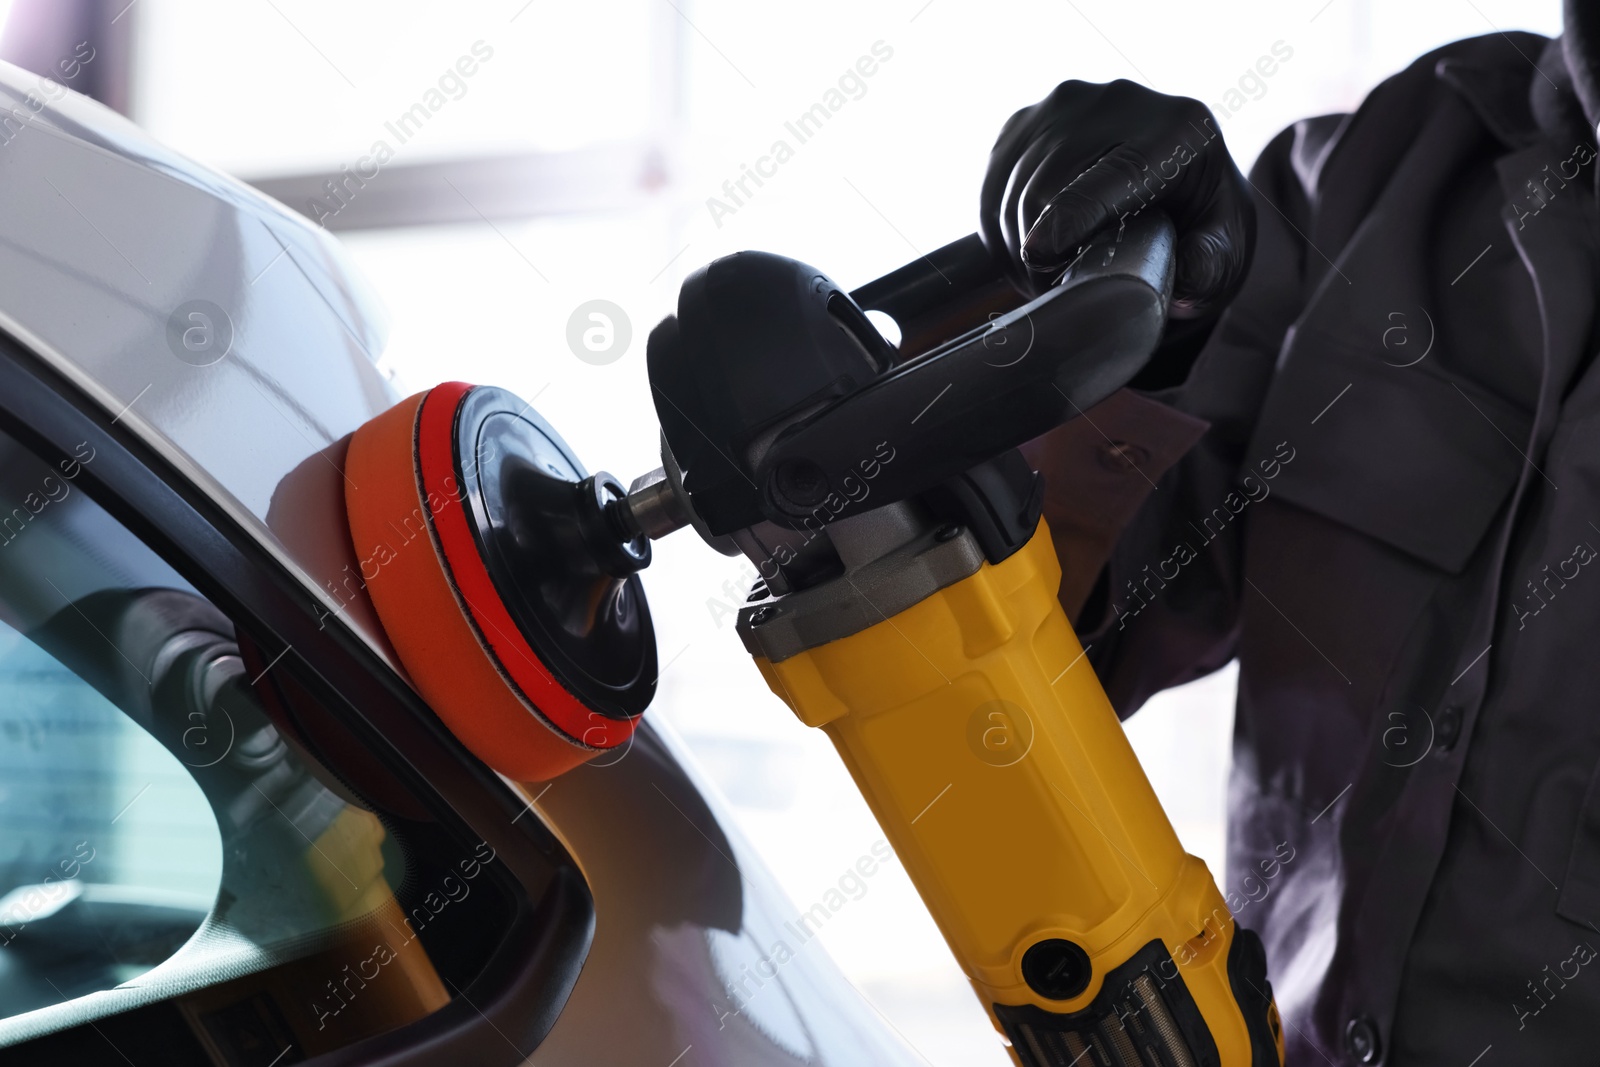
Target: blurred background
495,166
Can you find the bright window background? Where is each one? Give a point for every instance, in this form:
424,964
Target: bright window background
265,89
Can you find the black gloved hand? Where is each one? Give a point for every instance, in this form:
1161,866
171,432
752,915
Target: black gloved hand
1088,155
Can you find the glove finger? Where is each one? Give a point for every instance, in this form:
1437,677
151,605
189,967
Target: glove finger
1063,221
1015,139
1006,215
1213,256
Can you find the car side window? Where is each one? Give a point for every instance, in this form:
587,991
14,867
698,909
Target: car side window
162,840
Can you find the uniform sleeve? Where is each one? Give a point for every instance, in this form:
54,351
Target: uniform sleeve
1148,494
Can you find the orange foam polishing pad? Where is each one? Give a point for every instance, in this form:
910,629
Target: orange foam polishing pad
441,611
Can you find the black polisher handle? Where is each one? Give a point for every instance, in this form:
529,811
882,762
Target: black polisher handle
956,404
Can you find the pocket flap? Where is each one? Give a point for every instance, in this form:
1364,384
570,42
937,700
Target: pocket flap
1402,454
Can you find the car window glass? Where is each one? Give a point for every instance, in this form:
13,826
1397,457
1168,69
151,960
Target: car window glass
109,857
160,838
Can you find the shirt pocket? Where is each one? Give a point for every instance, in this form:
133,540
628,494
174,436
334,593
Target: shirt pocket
1406,455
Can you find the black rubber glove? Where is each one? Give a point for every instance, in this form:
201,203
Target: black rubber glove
1088,155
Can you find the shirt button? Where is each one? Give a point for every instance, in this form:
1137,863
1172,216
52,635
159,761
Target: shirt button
1447,728
1361,1039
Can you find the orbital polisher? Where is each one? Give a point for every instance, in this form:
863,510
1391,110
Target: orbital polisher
906,605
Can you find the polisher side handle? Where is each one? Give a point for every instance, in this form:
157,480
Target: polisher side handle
990,389
940,295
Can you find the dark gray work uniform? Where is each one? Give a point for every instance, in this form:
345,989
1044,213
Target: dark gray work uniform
1379,488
